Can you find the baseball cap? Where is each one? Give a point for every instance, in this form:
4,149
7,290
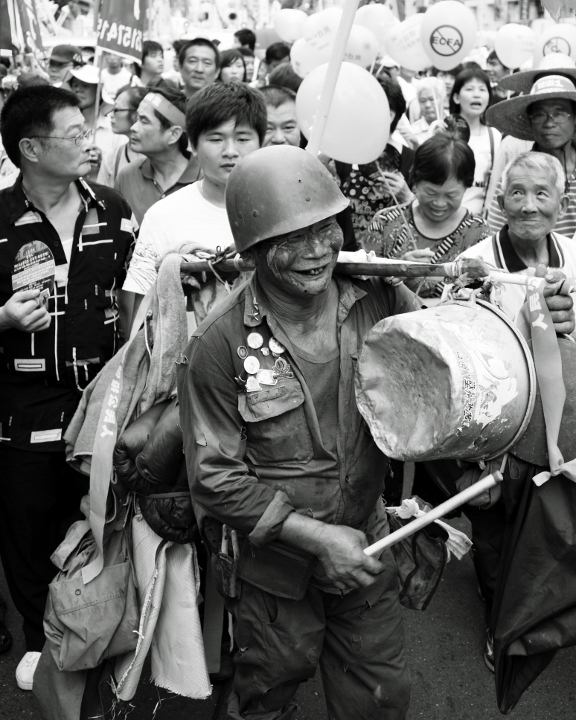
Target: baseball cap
66,54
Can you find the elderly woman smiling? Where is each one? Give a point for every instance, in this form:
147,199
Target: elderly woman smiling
434,227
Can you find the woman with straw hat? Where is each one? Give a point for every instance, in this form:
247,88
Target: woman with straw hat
547,117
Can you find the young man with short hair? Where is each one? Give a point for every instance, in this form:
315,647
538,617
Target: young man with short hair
159,134
199,62
150,72
225,122
245,38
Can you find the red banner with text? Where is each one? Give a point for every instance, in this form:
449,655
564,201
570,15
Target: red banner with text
120,27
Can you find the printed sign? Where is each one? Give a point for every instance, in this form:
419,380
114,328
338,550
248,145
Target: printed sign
34,269
446,40
120,27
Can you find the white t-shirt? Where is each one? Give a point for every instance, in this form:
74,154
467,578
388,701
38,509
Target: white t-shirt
112,83
514,296
484,155
183,218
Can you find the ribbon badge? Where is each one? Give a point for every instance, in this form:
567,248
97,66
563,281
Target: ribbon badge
548,364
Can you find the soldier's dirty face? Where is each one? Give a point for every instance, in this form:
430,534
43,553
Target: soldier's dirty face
301,262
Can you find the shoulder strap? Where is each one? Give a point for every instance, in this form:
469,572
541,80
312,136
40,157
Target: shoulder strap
491,136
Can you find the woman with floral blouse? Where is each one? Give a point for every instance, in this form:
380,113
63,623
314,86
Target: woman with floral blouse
434,227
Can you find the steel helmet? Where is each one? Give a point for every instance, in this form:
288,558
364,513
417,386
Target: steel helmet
276,190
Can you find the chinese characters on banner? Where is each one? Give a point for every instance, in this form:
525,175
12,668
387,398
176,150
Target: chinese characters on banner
120,27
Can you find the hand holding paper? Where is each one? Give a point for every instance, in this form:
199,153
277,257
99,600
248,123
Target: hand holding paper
23,312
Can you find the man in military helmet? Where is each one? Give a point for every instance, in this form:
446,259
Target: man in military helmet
278,453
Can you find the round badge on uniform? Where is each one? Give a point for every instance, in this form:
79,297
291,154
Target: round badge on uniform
255,340
242,352
276,347
251,365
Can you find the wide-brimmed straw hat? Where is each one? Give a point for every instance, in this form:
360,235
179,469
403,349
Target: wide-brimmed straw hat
551,64
511,116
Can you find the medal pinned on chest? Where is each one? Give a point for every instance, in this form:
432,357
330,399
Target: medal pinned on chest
34,269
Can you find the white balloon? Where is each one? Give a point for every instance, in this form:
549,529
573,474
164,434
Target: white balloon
305,58
556,60
556,39
404,45
289,24
448,33
514,44
358,124
319,29
362,47
377,18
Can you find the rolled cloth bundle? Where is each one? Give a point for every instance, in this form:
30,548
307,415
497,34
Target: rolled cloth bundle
453,381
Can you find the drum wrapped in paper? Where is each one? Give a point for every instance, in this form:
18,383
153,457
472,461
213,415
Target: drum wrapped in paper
453,381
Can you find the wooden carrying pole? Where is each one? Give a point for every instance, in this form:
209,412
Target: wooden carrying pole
436,513
334,64
380,269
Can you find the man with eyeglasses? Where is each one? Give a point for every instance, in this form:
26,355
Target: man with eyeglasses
199,62
63,59
64,246
546,115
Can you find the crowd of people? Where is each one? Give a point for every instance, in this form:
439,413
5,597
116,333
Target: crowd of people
113,171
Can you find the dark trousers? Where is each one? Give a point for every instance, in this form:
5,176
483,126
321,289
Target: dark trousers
488,529
357,639
39,499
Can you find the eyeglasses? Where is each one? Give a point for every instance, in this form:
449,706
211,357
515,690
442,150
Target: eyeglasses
78,139
557,116
119,110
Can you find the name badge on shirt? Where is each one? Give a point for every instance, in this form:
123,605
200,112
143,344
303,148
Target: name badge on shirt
42,436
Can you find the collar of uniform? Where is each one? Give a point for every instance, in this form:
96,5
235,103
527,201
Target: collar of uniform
512,262
18,203
255,308
189,175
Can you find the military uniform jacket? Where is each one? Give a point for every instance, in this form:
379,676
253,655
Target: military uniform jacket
254,457
42,374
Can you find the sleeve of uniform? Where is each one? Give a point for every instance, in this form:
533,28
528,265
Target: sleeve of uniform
214,444
142,270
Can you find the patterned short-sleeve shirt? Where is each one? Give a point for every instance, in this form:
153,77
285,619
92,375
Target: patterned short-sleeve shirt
393,232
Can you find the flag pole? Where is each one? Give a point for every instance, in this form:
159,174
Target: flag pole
436,513
334,64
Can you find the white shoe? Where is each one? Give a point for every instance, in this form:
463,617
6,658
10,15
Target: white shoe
26,669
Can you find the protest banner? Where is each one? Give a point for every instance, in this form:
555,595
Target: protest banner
30,27
120,27
6,25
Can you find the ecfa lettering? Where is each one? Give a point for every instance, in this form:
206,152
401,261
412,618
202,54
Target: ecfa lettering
557,45
446,40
